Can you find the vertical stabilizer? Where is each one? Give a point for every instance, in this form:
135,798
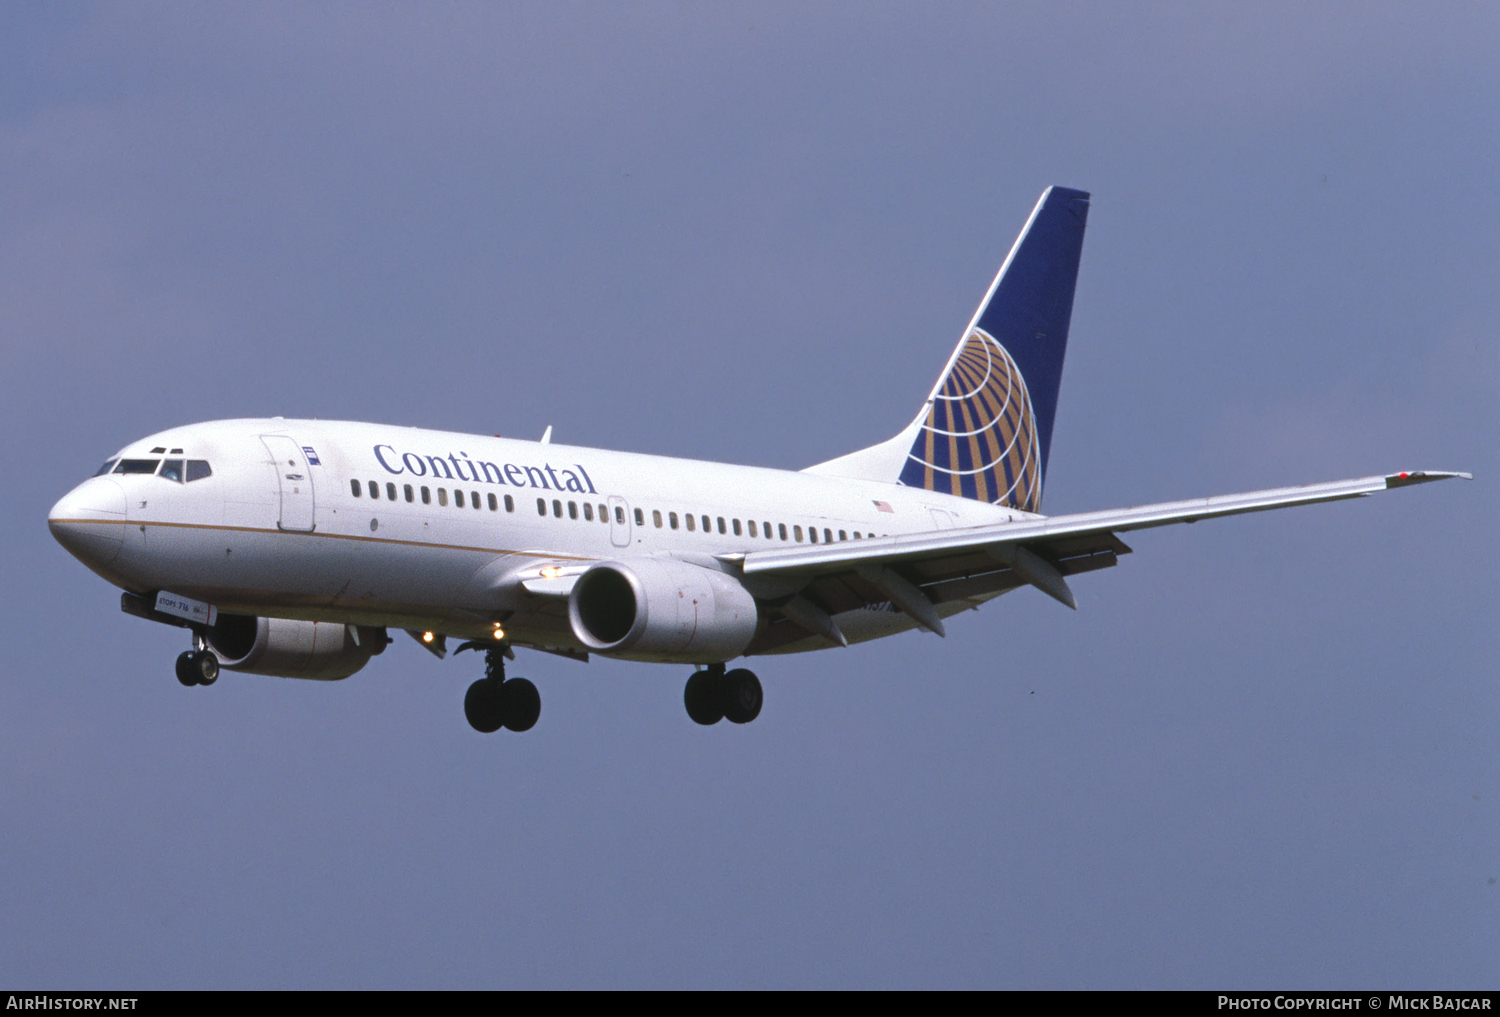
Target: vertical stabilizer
986,430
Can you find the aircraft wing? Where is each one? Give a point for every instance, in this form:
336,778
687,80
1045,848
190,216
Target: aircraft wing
917,572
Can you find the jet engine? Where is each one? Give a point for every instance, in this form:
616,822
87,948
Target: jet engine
326,651
662,610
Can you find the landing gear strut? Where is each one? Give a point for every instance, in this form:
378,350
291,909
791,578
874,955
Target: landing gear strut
198,667
492,702
713,695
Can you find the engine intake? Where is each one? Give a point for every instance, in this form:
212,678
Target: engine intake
326,651
662,610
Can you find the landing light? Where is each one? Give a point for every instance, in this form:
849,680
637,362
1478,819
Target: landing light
427,637
551,571
499,633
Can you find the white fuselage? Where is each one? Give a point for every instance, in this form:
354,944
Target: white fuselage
442,524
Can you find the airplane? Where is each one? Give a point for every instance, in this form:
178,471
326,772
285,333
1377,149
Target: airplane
293,548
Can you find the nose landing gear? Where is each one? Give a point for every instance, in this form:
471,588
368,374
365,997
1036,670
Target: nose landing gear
493,702
197,667
713,695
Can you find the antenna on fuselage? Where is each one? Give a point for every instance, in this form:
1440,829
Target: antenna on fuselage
547,435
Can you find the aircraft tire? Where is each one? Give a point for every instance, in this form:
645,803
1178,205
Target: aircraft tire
742,696
521,704
186,671
483,706
206,667
703,698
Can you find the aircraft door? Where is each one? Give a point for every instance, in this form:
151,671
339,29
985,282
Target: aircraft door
619,522
295,480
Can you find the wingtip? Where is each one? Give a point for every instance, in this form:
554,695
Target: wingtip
1407,478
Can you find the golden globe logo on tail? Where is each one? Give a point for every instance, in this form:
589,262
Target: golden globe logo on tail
979,439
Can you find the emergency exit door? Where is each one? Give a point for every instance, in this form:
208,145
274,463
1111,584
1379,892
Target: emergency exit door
619,522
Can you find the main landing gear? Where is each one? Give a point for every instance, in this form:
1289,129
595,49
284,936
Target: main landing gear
493,703
712,695
198,667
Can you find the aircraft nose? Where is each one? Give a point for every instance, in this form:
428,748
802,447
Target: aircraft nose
90,521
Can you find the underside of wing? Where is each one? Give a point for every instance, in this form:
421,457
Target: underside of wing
930,575
947,581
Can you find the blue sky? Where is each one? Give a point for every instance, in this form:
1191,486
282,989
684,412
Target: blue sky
1263,751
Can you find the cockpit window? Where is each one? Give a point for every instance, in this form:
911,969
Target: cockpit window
176,470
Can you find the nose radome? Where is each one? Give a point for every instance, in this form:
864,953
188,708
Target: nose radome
90,521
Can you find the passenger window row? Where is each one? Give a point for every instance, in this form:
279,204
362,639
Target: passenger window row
752,527
589,515
410,494
181,471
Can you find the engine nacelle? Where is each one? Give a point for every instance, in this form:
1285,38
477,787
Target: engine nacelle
663,610
284,648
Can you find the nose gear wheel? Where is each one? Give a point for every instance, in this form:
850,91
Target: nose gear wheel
197,667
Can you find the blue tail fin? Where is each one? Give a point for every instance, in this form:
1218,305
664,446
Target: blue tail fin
987,428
